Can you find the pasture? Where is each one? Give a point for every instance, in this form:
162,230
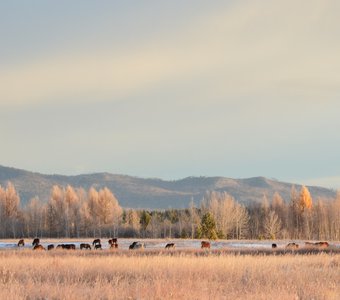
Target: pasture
182,273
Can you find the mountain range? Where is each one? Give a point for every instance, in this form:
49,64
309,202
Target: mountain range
153,193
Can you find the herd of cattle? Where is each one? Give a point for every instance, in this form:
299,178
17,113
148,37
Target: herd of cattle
96,244
113,244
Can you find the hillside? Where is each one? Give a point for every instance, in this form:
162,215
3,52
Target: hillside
153,193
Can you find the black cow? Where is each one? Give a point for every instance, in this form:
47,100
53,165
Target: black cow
137,245
85,246
170,245
96,241
36,241
98,246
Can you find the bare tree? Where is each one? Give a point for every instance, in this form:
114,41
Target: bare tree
272,225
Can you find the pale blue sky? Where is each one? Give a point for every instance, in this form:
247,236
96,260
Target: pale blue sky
169,90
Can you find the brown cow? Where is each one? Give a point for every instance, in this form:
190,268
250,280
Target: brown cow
50,247
21,243
38,247
114,246
292,246
113,243
85,246
322,244
36,241
205,244
317,244
170,246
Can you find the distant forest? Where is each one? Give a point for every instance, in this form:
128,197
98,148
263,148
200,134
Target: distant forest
74,212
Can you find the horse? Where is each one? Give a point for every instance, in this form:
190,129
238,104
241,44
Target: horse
96,241
50,247
36,241
85,246
274,246
170,245
60,246
292,246
205,244
21,243
38,247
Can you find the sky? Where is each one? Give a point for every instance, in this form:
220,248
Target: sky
171,89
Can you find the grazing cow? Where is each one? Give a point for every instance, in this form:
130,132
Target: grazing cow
137,245
170,245
292,246
69,246
98,246
205,244
96,241
317,244
114,246
36,241
132,246
274,246
85,246
38,247
113,243
322,244
21,243
50,247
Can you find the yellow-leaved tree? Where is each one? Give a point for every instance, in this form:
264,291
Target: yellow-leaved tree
306,201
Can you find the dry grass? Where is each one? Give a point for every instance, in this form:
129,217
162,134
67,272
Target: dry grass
25,274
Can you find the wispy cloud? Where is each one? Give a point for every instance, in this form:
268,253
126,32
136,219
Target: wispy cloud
250,47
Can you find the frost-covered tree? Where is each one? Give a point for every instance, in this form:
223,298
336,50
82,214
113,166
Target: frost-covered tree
272,225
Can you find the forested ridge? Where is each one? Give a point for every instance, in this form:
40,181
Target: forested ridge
76,212
153,193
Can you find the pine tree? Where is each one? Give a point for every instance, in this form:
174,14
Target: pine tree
208,226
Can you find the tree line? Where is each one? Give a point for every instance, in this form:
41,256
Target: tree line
74,212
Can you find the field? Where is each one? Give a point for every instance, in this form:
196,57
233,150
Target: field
221,273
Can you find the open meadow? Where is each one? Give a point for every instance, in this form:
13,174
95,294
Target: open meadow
239,273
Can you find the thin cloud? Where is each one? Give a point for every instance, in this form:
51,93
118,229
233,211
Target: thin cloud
251,47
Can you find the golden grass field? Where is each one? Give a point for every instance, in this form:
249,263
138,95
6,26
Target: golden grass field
175,274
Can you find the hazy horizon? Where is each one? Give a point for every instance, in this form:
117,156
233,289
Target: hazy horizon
236,89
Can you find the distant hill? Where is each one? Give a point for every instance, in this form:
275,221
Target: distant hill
150,193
